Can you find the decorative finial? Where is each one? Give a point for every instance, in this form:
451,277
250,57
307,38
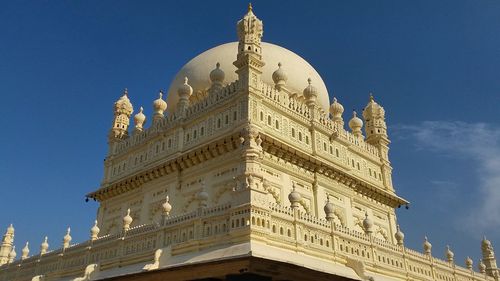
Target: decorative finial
368,224
309,81
334,99
217,65
45,246
125,92
142,109
127,220
185,80
67,238
12,254
160,94
279,64
250,8
166,206
371,97
399,235
294,197
25,251
94,231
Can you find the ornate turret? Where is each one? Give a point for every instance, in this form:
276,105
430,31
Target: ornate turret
376,134
356,124
489,259
7,244
159,107
336,110
122,111
249,59
375,126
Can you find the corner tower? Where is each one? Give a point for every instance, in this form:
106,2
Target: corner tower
249,59
376,135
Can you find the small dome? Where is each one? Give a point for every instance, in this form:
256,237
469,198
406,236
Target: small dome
94,231
159,105
279,76
217,75
166,206
123,104
140,118
336,109
368,224
12,254
355,124
449,254
427,246
310,92
294,197
198,68
469,262
185,91
399,235
485,243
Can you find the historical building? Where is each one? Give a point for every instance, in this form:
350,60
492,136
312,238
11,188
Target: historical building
245,172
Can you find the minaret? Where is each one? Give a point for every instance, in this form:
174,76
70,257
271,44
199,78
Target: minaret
489,257
7,244
122,111
376,134
249,59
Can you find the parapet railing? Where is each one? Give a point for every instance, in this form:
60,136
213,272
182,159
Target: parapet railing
281,225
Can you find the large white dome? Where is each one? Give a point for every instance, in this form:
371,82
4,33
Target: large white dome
297,69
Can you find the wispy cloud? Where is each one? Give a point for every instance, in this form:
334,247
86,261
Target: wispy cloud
478,143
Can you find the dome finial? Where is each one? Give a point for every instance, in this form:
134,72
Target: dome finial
250,8
217,75
372,99
279,77
309,80
356,124
186,80
125,92
94,231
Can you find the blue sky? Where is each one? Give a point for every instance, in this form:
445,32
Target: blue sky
433,65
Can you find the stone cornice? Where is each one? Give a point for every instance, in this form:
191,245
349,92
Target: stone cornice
317,164
175,163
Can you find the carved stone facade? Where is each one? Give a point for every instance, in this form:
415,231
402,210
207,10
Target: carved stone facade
250,170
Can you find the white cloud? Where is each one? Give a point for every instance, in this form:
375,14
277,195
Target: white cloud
478,143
